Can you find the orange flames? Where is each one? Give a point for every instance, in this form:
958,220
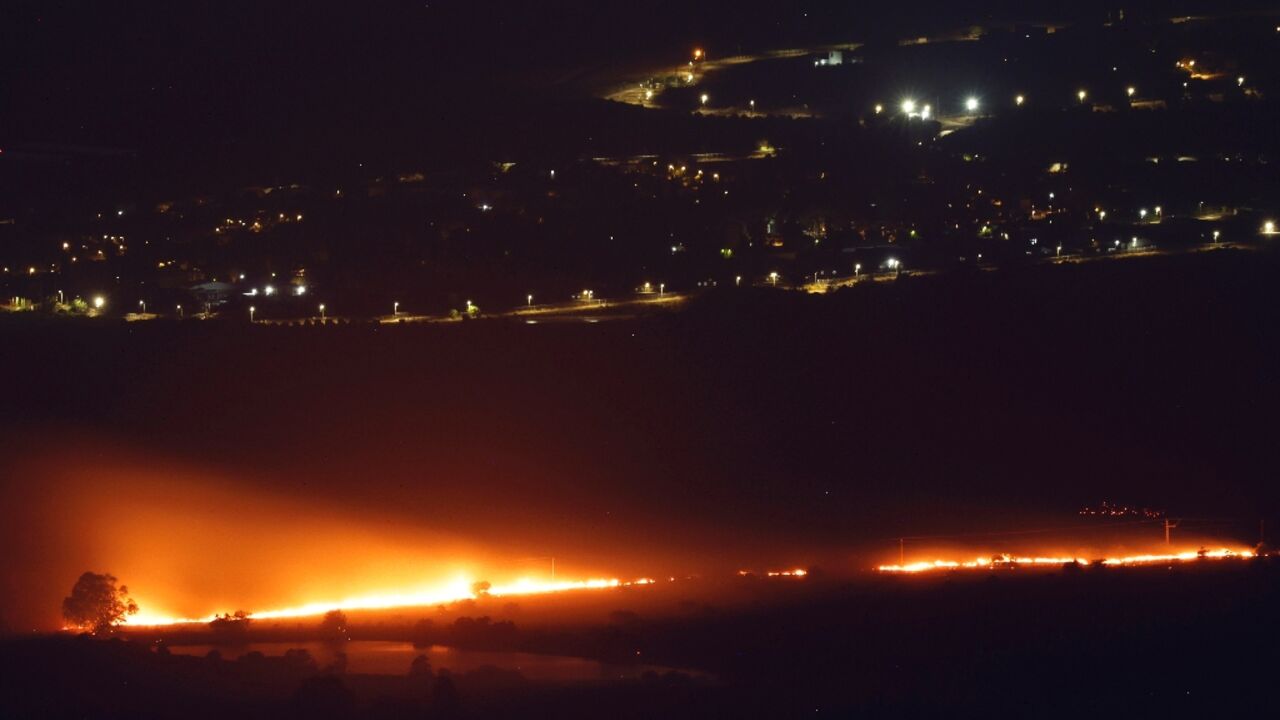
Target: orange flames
1009,561
459,589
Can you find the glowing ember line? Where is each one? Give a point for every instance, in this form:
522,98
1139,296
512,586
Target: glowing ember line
459,589
1000,561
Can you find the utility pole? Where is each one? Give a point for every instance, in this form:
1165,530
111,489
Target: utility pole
1168,525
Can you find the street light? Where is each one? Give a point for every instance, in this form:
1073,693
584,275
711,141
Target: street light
971,104
179,311
529,300
322,311
879,108
752,103
251,310
773,278
857,268
704,98
737,280
143,304
1019,100
1216,235
1130,91
909,107
395,309
662,288
1269,228
1081,95
925,112
98,302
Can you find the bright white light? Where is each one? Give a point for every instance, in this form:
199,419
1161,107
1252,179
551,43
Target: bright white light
1240,81
704,98
1130,91
1269,228
879,108
1019,100
300,290
99,301
925,112
1082,95
1142,213
269,290
909,107
971,104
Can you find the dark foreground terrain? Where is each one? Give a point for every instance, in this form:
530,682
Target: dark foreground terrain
1167,642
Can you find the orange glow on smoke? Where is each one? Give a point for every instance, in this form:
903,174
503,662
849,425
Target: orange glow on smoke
983,563
190,542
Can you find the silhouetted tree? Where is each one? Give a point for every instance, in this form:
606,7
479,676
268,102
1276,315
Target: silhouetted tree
299,658
231,626
420,668
424,632
481,588
96,604
334,625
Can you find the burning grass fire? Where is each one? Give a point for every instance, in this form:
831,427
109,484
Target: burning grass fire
1011,561
460,589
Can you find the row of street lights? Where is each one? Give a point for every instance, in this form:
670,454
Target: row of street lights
973,104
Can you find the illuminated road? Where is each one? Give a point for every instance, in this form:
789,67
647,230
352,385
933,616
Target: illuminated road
572,308
639,89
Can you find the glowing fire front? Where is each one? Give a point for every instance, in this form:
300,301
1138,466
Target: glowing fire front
459,589
1010,561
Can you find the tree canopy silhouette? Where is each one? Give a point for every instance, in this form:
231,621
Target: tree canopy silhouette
334,625
96,604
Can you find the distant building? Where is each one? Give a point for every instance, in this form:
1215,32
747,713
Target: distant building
212,293
834,57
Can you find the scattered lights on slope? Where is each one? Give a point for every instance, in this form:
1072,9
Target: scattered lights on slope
1010,561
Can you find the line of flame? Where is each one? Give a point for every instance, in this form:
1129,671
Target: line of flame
988,562
458,589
